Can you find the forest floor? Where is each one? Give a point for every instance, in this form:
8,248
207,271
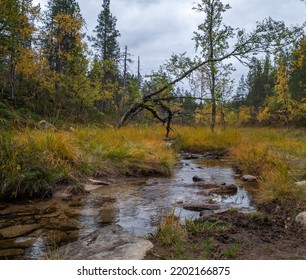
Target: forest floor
269,234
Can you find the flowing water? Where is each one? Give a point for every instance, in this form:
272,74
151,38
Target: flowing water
136,204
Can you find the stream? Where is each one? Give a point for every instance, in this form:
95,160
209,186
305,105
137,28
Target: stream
31,229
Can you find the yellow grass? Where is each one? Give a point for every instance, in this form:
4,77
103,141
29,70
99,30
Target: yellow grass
32,161
277,156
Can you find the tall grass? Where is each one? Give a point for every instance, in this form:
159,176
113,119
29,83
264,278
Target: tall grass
198,140
32,162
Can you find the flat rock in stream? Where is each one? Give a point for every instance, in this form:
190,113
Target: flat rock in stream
98,182
197,206
108,243
16,231
22,242
216,188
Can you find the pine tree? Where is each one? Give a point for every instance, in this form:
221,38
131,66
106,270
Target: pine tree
106,40
108,52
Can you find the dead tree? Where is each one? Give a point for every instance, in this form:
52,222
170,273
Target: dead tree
269,35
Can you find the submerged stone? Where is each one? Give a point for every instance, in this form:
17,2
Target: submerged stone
16,231
108,243
17,243
200,206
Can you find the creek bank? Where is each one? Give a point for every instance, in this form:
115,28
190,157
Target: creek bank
135,204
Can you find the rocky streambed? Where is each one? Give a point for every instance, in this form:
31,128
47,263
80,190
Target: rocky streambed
112,220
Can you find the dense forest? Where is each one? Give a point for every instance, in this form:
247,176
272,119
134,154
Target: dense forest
50,69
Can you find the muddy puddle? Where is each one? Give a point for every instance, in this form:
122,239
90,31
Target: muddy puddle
31,230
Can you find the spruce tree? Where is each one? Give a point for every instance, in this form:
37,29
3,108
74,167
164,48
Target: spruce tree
106,39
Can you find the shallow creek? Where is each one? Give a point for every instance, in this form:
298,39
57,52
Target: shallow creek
28,230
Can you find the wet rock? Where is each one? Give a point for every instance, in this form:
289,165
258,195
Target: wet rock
108,213
36,233
206,185
249,178
301,219
198,207
22,242
197,179
11,253
108,243
16,231
28,213
189,156
98,182
47,216
225,189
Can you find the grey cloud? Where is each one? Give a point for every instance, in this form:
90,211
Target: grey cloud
154,29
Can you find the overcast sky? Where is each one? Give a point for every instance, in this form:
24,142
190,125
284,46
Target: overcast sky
154,29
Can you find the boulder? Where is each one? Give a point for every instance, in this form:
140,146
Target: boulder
249,178
43,125
16,231
107,243
301,219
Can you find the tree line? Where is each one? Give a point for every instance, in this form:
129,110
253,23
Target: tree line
49,69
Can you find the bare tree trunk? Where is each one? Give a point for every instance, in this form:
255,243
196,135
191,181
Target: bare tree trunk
124,80
138,75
